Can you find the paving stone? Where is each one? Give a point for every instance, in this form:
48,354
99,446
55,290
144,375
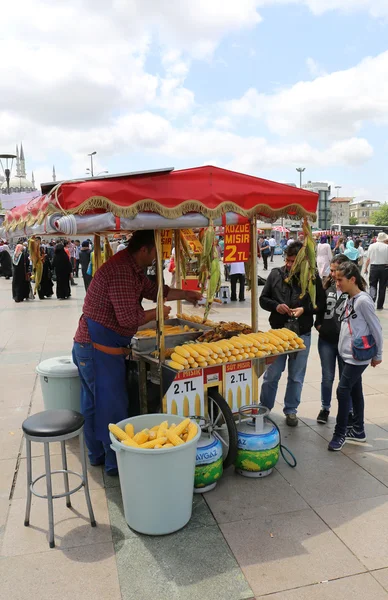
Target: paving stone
237,498
363,526
279,552
193,563
382,577
356,587
68,574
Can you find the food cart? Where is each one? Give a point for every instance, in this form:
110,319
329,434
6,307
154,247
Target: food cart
169,201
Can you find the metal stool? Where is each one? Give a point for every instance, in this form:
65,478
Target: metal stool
55,426
224,294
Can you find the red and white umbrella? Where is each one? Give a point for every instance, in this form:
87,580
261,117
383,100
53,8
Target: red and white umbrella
281,229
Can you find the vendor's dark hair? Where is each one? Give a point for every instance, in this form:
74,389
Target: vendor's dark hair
348,270
141,238
293,249
59,248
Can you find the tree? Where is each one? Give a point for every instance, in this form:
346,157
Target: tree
380,217
353,221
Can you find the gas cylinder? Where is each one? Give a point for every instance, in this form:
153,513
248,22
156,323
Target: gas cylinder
258,442
209,463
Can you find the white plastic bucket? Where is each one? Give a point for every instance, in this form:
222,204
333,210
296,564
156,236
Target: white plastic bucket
156,485
60,383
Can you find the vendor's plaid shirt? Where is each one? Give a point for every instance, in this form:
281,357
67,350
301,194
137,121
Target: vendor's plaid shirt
114,297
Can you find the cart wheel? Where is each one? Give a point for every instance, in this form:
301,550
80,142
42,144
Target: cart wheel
222,426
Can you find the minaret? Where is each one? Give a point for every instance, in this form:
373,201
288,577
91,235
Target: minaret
22,163
54,175
17,162
33,180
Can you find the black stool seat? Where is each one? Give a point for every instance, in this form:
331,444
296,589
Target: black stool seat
51,423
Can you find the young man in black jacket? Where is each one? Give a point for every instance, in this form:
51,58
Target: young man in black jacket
328,324
282,300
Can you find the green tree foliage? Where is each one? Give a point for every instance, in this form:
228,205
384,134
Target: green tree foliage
353,221
380,217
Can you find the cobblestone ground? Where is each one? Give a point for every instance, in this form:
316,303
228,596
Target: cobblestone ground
314,532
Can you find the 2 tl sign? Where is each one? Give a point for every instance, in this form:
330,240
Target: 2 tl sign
237,243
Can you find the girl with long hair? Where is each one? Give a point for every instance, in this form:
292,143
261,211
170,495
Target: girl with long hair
359,322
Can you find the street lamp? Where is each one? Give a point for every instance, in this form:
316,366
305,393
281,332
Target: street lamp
7,170
91,162
300,171
101,173
338,187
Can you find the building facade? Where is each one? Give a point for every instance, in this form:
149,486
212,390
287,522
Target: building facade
324,191
21,189
363,210
339,210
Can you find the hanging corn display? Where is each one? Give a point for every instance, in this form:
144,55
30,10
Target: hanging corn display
185,254
37,263
209,269
304,268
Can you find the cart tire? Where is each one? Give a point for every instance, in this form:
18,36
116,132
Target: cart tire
220,402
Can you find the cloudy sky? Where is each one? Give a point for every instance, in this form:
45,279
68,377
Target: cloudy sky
260,86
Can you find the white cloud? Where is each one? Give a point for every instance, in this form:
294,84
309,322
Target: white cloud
314,68
333,106
376,8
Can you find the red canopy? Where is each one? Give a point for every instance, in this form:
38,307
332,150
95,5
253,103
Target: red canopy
208,190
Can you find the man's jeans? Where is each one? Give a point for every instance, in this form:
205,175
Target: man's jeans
378,278
297,364
97,451
328,354
350,390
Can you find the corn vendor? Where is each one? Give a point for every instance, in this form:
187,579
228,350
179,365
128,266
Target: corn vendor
112,313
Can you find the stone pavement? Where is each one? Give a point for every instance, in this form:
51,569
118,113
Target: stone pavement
314,532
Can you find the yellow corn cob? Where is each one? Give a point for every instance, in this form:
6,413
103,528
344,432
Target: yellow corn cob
211,361
251,354
182,352
236,352
175,365
181,426
219,361
172,426
152,436
179,359
232,359
227,343
157,446
197,405
190,360
193,429
162,427
141,437
241,341
191,351
174,438
194,365
153,443
239,404
299,341
184,437
217,349
129,430
291,334
168,446
186,407
239,357
225,359
230,399
261,354
130,442
246,355
279,333
247,394
174,408
202,351
118,432
156,427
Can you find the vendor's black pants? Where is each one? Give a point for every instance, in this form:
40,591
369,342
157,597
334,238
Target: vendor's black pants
233,284
265,261
378,278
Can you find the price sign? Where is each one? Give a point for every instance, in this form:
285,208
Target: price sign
238,384
185,396
166,236
192,240
237,243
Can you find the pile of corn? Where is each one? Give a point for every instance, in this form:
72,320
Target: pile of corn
239,347
160,436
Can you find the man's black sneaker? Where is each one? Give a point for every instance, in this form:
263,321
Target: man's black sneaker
291,420
337,443
323,416
355,436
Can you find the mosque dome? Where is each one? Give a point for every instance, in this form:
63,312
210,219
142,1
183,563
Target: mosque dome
18,181
18,184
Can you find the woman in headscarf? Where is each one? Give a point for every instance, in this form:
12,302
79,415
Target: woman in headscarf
5,261
46,283
21,285
351,252
324,257
63,270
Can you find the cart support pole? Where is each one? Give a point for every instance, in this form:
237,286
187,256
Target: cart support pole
178,270
159,310
254,288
